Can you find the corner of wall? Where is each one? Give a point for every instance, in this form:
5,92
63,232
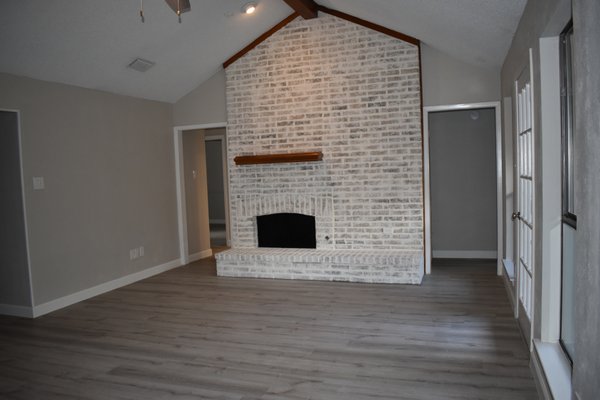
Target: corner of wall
203,105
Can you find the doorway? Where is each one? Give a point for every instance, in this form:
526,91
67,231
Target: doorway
16,296
192,188
463,183
216,172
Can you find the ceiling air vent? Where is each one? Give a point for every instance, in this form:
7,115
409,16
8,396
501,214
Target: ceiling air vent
141,65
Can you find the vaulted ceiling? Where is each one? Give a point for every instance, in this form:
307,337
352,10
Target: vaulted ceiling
89,43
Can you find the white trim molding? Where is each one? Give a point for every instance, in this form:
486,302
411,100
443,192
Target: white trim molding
200,255
490,254
499,176
85,294
551,370
551,187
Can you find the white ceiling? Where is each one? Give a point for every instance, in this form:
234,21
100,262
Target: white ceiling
89,43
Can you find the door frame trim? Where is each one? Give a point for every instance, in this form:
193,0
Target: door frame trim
184,255
499,176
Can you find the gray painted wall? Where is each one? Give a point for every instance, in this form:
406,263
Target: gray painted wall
14,273
586,14
463,180
196,198
215,183
543,18
108,164
447,80
205,104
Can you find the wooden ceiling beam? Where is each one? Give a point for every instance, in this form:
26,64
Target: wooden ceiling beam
371,25
260,39
308,9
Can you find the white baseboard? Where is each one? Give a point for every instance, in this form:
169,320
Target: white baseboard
539,377
85,294
509,267
464,254
200,255
16,311
216,221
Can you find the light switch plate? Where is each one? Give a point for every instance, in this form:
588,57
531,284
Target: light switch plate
38,183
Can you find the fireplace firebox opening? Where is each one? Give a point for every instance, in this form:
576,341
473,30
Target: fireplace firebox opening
286,230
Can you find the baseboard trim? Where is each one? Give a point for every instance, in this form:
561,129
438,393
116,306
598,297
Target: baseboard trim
16,311
508,285
200,255
464,254
85,294
509,268
539,377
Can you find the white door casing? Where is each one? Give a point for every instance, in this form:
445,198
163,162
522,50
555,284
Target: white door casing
427,178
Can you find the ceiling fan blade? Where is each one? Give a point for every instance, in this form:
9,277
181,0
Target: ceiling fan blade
184,5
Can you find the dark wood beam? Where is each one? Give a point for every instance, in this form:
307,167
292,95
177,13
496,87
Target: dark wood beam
259,40
339,14
371,25
308,9
278,158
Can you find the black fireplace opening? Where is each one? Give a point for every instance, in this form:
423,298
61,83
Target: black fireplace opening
286,230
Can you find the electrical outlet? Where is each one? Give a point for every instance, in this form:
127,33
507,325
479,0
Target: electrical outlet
134,253
38,183
141,251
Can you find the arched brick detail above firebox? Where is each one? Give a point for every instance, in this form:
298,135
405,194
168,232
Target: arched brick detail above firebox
247,208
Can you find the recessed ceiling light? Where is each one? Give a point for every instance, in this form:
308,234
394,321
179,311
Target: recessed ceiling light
249,8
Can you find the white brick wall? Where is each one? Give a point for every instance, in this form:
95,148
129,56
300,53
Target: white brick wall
329,85
353,93
380,266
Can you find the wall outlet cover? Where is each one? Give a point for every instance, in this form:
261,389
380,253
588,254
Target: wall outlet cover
38,183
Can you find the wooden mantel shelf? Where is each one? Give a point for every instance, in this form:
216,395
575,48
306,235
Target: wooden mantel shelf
279,158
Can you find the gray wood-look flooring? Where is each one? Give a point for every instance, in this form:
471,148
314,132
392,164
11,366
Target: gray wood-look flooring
187,334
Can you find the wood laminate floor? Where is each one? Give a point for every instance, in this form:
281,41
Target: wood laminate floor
187,334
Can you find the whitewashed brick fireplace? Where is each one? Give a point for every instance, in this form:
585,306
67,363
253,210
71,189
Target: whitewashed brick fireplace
352,93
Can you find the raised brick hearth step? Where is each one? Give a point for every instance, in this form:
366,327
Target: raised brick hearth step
369,266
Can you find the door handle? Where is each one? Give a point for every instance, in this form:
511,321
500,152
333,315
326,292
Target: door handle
516,215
